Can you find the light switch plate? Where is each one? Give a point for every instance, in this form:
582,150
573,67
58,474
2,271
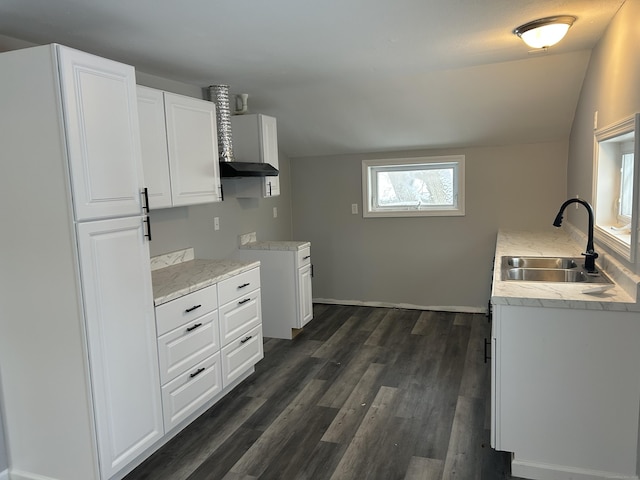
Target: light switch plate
275,212
216,223
354,208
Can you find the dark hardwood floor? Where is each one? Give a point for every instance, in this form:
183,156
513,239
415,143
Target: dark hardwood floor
361,393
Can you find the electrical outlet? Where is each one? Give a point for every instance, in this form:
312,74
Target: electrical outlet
354,208
216,223
275,212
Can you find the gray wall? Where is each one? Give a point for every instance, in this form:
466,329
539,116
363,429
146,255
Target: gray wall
423,261
183,227
612,88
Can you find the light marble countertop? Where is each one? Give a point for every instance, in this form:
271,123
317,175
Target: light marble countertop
275,245
181,274
557,242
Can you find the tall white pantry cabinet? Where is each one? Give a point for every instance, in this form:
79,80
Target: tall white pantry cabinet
78,357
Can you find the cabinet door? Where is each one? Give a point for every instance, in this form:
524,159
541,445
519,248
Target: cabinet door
193,150
305,296
102,133
153,140
255,139
269,134
121,337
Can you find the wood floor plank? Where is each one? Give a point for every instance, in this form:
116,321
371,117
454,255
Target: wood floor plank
353,462
218,464
464,454
198,442
346,422
424,469
256,459
477,373
349,375
293,458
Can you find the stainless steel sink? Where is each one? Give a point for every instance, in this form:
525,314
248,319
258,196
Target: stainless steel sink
548,269
542,262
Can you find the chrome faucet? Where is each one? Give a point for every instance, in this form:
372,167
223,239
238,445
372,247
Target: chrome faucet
590,255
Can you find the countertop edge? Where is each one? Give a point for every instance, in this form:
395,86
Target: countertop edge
175,281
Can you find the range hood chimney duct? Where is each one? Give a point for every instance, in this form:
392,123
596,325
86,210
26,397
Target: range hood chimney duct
219,95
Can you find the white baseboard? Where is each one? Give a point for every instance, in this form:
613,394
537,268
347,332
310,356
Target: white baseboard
358,303
543,471
4,475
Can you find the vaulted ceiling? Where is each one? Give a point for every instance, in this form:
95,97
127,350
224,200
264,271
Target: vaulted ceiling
347,76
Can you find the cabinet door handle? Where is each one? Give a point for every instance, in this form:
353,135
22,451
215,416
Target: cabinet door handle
221,193
145,195
246,339
192,308
308,256
487,343
243,301
189,329
148,222
244,285
312,269
197,372
269,183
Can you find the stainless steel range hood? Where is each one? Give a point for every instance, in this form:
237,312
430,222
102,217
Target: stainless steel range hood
247,169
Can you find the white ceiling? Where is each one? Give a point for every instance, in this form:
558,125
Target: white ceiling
347,76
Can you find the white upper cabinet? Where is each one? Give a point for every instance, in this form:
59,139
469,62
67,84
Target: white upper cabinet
179,149
193,150
100,114
255,139
153,138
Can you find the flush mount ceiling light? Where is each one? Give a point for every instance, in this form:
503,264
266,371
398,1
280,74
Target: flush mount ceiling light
544,32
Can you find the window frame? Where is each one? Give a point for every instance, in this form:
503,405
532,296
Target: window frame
371,167
606,185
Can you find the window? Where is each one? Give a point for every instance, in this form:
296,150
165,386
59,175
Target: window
615,187
413,187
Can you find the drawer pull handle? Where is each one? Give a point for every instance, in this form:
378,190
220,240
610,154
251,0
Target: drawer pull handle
197,372
246,339
244,301
189,329
244,285
192,308
308,256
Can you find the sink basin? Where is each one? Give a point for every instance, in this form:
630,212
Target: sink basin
548,269
542,262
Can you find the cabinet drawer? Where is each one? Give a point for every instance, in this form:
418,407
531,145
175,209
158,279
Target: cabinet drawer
180,349
241,354
239,316
182,310
239,285
189,391
304,256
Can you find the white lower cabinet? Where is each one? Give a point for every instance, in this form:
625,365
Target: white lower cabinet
286,272
566,391
207,340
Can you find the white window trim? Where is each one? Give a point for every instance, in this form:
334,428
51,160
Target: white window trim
427,211
606,236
